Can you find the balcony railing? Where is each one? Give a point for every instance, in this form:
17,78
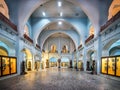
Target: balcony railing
8,22
109,22
89,38
28,38
37,46
75,50
79,46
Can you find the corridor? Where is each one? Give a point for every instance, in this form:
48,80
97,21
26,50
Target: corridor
59,79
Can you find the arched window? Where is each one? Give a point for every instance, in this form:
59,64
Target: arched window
65,49
4,8
53,49
114,8
26,30
3,51
91,30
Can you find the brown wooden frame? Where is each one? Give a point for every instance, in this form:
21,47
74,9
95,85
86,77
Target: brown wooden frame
107,64
9,65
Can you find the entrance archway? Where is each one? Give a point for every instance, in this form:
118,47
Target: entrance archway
65,62
90,59
53,62
28,59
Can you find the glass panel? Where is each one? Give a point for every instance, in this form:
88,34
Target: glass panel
111,66
0,66
104,65
5,66
118,66
13,65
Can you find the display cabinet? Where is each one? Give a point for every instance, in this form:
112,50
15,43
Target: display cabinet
104,65
0,66
13,65
110,65
118,66
5,66
8,65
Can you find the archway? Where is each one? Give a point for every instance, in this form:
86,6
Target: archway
3,49
28,59
65,62
108,44
53,62
8,46
90,59
81,4
114,49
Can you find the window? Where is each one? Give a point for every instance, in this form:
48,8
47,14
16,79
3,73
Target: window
4,8
114,8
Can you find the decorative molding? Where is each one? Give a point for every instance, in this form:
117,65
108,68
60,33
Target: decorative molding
80,46
28,38
109,22
37,46
89,39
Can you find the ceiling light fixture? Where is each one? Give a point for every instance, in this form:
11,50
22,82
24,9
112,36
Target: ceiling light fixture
60,23
43,13
59,4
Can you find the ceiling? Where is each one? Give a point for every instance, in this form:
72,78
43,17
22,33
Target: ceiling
52,9
60,25
59,35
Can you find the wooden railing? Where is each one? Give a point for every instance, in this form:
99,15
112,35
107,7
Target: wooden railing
79,46
89,38
37,46
8,22
28,38
109,22
75,50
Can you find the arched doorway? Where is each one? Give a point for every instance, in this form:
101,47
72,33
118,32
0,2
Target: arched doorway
53,62
65,62
91,60
28,59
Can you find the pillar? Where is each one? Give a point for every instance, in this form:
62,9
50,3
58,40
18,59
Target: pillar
84,58
98,48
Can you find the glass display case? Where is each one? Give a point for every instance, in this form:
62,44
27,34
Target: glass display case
110,65
0,66
8,65
13,65
118,66
104,65
5,66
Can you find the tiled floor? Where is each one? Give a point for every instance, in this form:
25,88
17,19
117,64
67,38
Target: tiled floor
62,79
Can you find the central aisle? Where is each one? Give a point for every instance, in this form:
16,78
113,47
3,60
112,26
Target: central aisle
58,79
